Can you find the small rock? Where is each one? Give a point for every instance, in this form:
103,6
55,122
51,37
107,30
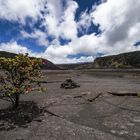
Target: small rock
113,131
123,132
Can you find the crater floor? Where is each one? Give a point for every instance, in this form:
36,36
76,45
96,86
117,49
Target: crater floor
89,112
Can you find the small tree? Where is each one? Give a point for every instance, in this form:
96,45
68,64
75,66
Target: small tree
19,76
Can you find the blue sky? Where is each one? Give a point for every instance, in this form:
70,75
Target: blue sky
69,31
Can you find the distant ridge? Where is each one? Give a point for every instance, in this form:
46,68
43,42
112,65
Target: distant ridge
47,64
123,60
74,65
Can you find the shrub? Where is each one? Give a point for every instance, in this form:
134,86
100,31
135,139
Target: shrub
20,76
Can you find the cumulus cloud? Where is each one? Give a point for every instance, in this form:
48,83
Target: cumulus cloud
119,22
19,10
14,47
68,28
40,36
63,59
120,26
61,23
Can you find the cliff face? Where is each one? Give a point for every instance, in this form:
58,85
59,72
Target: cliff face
125,60
47,64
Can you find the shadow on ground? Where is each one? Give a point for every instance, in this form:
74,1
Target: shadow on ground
20,117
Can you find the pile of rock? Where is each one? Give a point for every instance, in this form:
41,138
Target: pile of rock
69,83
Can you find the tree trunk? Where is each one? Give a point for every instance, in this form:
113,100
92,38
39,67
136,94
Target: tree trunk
16,101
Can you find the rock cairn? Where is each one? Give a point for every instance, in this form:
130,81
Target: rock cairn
69,83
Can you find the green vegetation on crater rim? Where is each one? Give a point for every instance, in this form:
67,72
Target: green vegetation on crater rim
125,60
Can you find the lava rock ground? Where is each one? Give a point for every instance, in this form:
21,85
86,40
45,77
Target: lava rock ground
84,113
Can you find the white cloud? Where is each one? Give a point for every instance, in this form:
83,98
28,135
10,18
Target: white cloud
85,21
56,7
59,51
120,25
61,23
64,59
14,48
20,9
68,28
134,32
119,21
40,36
117,18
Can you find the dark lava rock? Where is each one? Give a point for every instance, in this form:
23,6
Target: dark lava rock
69,83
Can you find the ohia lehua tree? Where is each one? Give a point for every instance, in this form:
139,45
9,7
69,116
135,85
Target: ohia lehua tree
19,75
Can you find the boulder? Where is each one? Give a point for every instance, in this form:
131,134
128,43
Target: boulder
69,83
